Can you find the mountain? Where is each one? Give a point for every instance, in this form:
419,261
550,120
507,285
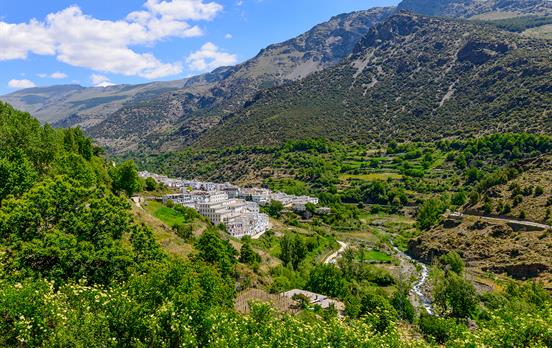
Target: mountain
481,8
73,104
410,78
185,113
122,116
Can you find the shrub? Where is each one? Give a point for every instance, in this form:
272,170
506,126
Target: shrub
440,329
150,184
452,261
184,231
430,213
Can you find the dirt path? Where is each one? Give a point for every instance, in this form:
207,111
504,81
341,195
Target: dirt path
333,257
519,222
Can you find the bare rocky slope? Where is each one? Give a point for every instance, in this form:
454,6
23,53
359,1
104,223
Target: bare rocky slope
490,247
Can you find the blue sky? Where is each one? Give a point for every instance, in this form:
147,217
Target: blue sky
98,42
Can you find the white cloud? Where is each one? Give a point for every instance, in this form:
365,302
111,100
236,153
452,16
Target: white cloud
104,45
57,75
210,57
21,84
17,40
185,9
100,80
228,36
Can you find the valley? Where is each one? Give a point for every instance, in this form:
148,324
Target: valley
382,180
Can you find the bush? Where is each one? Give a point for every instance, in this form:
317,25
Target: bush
150,184
440,329
430,213
184,231
452,261
248,255
379,311
456,296
403,306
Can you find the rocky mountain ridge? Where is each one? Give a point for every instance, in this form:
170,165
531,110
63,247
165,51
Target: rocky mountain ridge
122,116
410,78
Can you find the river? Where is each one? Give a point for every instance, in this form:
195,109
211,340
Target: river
420,282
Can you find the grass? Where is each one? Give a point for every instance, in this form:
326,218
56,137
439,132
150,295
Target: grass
169,216
167,239
376,255
371,176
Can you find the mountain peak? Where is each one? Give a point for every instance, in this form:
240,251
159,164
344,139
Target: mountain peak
402,24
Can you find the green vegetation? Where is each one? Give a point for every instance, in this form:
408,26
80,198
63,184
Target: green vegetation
403,85
76,270
170,216
520,24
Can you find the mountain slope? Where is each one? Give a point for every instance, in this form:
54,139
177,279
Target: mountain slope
188,111
122,116
412,77
481,8
74,104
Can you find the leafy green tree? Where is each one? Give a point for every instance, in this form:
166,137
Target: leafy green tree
76,142
125,178
216,251
327,280
61,230
248,255
456,296
440,329
459,198
381,312
430,213
293,249
74,166
274,209
150,184
184,231
403,306
17,175
452,261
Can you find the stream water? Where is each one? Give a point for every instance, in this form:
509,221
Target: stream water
419,284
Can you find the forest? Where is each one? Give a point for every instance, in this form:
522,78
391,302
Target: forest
79,269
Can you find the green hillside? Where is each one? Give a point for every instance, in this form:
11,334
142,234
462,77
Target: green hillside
77,270
410,78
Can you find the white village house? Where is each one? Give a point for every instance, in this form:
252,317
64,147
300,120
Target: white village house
237,208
